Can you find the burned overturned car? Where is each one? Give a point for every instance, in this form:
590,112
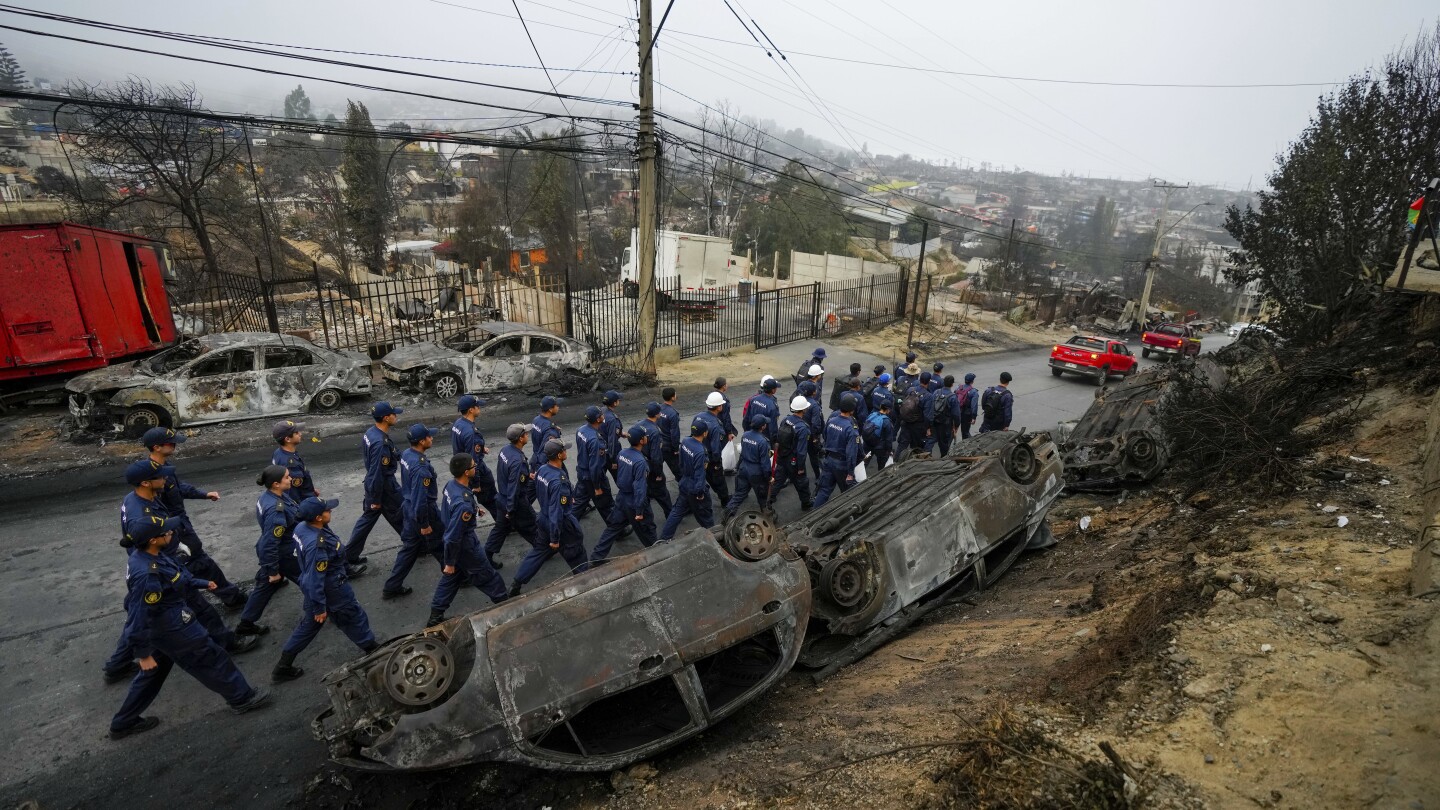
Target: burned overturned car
491,356
217,378
590,673
919,533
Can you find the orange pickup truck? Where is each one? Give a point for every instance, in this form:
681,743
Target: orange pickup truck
1171,340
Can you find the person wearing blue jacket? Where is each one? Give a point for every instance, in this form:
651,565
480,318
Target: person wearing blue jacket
1001,405
558,530
277,513
419,534
592,464
878,434
669,423
514,491
543,429
464,560
465,437
882,393
632,498
610,431
694,488
815,418
717,435
792,446
757,466
382,493
162,444
721,386
943,413
325,588
287,434
763,404
967,399
162,632
843,449
655,457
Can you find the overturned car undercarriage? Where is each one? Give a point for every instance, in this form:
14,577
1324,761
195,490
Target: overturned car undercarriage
607,667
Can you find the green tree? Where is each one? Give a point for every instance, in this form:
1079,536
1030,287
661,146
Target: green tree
1333,220
12,77
369,206
297,105
799,213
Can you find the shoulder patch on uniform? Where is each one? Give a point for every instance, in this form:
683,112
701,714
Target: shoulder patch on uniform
279,531
385,461
322,565
154,566
152,597
466,516
424,482
175,578
564,500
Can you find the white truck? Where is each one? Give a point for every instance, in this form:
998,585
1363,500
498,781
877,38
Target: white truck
702,263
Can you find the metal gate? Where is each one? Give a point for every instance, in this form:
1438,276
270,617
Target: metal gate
725,321
786,315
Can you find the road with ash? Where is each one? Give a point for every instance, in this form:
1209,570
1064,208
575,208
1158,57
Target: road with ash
63,586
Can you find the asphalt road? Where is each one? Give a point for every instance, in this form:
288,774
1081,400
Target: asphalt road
63,586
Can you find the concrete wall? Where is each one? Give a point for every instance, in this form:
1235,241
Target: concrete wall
811,268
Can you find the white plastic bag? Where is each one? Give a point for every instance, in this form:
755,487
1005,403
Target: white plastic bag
730,457
859,472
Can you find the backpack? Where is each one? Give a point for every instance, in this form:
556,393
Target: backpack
912,409
992,403
869,388
940,406
965,403
871,430
786,439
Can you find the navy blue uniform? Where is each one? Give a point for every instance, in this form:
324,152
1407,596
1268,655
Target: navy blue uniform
418,511
301,485
326,589
557,524
174,496
754,471
655,458
462,549
715,442
669,422
862,408
842,453
514,490
694,490
878,433
632,504
726,422
882,394
277,516
592,461
943,412
610,431
791,449
541,430
762,404
815,419
465,437
159,623
1000,419
968,400
381,460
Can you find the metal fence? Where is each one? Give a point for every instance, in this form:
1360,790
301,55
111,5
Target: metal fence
377,316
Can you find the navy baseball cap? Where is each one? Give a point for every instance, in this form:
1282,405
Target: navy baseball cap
653,409
284,428
939,367
384,409
418,433
470,401
698,428
160,435
592,414
759,423
969,378
140,471
847,402
770,384
910,357
311,508
636,433
806,388
554,448
611,397
546,403
925,376
153,528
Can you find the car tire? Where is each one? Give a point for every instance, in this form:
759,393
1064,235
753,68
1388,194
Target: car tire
1020,463
326,400
143,417
448,386
1055,372
1104,376
1145,353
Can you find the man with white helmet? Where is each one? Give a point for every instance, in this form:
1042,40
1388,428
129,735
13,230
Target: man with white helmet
716,438
791,448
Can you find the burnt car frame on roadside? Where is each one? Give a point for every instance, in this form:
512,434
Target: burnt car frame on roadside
591,673
491,356
218,378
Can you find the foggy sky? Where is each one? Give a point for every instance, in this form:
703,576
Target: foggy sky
1207,136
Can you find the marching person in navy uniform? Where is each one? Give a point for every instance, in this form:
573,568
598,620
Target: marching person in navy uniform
757,466
717,435
669,423
163,632
420,522
694,488
382,493
655,456
792,446
815,418
162,444
610,431
326,589
721,386
969,401
591,466
558,529
842,452
514,490
465,437
277,513
465,561
632,499
288,435
542,430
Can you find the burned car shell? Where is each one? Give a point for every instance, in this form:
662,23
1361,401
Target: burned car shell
491,356
589,673
221,377
920,528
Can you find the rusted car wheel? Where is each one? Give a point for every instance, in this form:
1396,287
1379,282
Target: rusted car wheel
325,400
751,536
420,672
1020,463
143,417
845,581
447,386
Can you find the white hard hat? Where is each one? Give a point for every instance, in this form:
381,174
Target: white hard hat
815,371
766,377
799,404
715,400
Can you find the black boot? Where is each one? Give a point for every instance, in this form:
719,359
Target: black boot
514,590
245,628
436,617
369,647
286,669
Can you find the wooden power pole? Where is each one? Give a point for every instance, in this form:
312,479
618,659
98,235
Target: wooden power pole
1153,262
647,225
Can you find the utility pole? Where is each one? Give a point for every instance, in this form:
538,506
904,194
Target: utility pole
919,270
1151,263
647,226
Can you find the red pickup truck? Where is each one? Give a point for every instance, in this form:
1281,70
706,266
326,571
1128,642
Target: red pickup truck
1171,340
1094,357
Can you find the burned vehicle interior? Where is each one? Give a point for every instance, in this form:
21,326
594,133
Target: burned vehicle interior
604,668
